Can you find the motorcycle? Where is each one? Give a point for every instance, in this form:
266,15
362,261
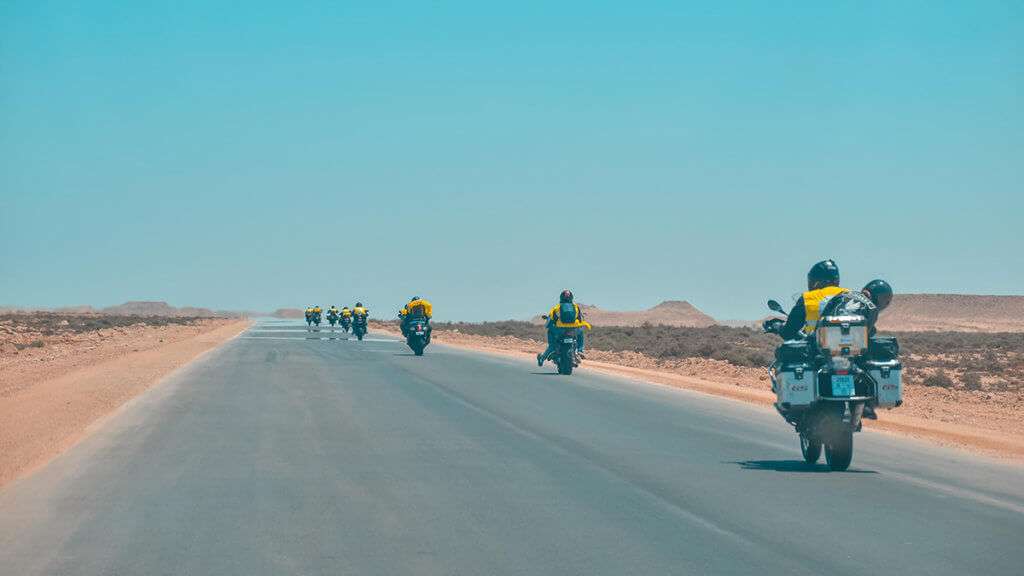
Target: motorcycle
417,335
359,326
565,355
332,319
828,381
316,320
346,323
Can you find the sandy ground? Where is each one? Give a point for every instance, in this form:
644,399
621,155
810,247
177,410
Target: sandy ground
988,422
50,395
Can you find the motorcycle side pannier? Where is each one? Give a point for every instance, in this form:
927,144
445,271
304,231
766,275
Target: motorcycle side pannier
889,376
795,385
794,376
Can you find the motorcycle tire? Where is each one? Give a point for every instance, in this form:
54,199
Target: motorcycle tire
811,449
839,451
565,366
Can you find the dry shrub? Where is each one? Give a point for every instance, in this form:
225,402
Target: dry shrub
971,381
51,323
938,379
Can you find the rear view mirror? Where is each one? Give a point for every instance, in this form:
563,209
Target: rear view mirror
775,306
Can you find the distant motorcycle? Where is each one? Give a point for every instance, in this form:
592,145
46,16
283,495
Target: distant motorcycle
417,334
826,382
332,318
346,323
359,325
316,319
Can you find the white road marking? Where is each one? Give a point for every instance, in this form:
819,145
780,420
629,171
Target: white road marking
299,338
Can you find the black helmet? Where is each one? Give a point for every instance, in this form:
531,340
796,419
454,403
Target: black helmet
565,296
414,298
880,293
359,304
822,274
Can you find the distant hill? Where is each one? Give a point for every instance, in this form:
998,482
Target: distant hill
288,313
144,308
954,312
668,313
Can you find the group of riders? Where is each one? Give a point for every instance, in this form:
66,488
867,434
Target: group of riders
343,317
823,295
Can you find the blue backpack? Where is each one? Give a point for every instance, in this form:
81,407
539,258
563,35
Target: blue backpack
567,313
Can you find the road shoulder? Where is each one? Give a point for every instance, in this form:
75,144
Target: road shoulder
46,412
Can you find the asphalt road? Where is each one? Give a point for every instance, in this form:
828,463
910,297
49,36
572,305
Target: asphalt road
279,454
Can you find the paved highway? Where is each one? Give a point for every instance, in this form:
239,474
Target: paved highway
283,453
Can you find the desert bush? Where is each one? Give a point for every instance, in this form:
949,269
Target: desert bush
938,379
51,323
971,381
32,344
739,346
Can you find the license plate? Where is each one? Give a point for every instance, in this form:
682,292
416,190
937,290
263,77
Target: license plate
569,341
842,385
419,332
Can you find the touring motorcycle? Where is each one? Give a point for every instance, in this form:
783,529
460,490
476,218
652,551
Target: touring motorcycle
829,380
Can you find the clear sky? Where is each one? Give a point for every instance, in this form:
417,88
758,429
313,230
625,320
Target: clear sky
255,155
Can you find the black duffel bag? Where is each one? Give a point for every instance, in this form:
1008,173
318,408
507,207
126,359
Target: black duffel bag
883,348
793,352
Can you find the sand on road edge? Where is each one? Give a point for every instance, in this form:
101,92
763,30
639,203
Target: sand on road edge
46,417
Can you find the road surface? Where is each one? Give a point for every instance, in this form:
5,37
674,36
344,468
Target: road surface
290,453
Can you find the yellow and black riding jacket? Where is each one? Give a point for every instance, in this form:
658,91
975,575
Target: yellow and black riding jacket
579,323
813,302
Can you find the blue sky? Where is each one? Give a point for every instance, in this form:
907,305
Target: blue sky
486,157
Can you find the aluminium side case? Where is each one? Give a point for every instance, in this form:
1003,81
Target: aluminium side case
888,374
794,382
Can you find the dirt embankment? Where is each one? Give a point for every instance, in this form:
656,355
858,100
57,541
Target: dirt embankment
61,373
989,421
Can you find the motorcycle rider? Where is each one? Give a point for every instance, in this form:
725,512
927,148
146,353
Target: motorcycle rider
332,312
417,308
822,285
345,312
358,310
555,326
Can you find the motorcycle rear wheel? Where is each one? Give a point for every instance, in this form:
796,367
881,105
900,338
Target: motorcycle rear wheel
839,451
565,366
811,449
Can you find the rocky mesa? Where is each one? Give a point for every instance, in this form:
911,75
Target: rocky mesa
668,313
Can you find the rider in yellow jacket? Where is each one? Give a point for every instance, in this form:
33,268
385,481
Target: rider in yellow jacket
416,308
556,327
822,286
